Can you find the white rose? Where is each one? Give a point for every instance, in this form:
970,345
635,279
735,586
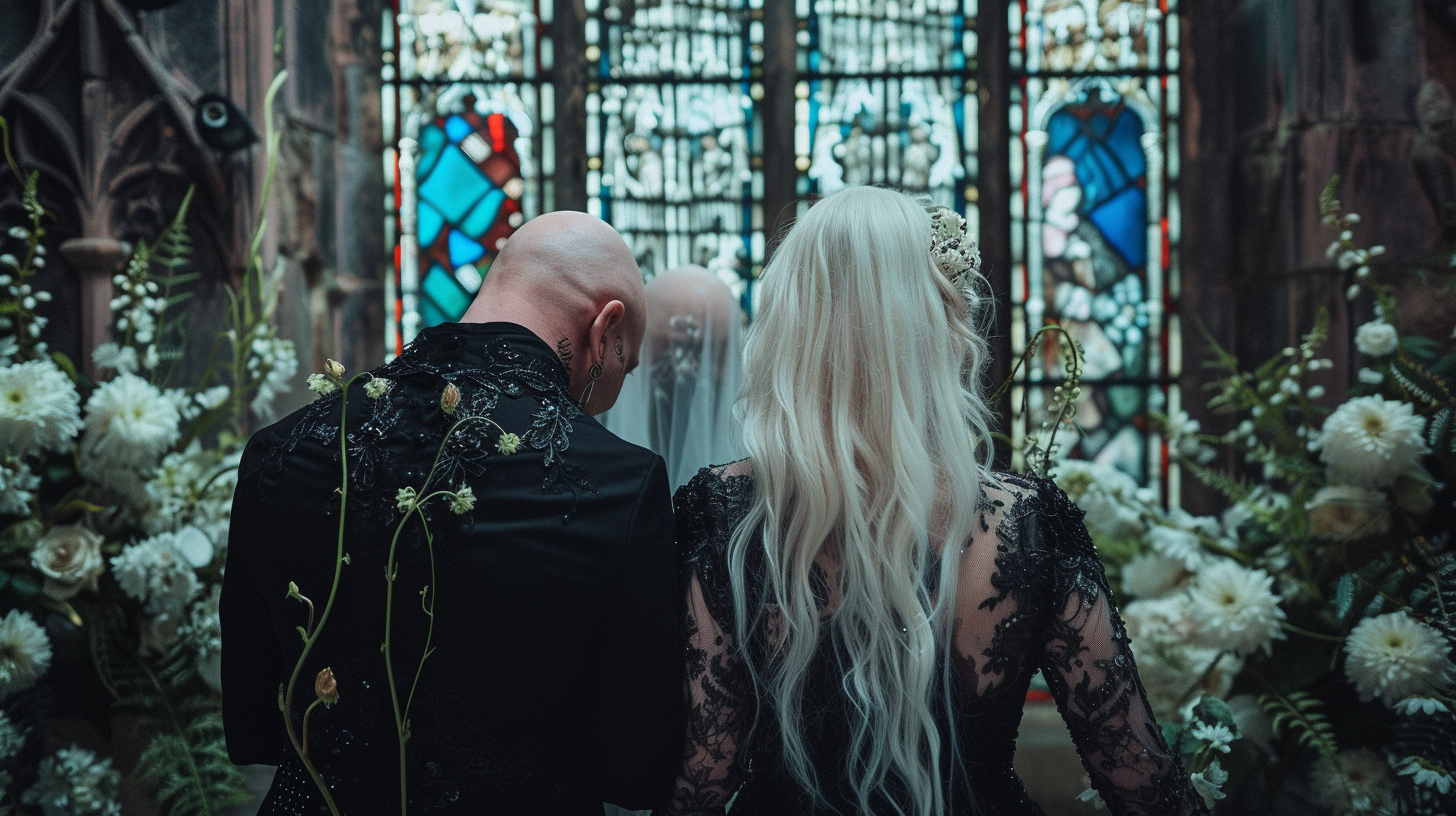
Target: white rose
1375,339
1342,512
69,556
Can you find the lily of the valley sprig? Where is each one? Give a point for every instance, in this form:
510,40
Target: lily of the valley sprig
411,501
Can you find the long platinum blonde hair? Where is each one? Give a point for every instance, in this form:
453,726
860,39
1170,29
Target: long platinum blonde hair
869,438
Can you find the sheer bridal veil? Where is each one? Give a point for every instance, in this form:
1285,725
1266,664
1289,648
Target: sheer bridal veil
679,400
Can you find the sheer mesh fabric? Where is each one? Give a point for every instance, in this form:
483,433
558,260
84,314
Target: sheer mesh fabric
1032,596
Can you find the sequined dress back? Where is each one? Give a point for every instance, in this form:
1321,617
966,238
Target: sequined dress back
1032,596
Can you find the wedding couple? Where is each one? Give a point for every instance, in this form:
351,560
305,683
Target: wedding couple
845,622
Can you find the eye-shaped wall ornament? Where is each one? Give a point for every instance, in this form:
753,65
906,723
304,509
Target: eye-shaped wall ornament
221,124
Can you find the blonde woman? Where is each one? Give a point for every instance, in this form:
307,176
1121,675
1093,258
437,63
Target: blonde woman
866,600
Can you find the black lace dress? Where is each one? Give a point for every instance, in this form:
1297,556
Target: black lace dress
1032,595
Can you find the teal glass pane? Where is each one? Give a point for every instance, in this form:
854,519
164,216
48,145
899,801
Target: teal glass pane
430,222
457,129
441,288
432,142
483,216
455,185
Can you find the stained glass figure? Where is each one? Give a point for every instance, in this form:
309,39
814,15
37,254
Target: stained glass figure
469,123
673,138
886,97
1095,221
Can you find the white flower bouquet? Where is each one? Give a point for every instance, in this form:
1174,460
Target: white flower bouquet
114,502
1315,620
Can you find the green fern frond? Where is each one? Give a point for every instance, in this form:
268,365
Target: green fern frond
1419,382
191,770
1298,713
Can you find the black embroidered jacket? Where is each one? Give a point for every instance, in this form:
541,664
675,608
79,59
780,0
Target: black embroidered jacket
1032,596
555,677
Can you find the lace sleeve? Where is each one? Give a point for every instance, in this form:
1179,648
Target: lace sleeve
718,687
1089,666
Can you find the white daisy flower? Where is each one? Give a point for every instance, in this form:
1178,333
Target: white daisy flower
1218,737
1236,608
25,652
1209,781
75,782
158,572
38,408
129,421
1369,441
1426,773
1376,339
1393,656
1354,781
1179,545
1421,704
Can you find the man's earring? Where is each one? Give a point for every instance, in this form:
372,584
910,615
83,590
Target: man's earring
595,373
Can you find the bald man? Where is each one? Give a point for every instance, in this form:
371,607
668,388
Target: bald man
547,596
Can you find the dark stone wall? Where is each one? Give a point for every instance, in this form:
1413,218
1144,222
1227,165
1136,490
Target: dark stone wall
1279,96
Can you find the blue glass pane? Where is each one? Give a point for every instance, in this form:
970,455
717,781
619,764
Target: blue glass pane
463,250
441,288
429,224
457,128
483,216
1108,154
1123,222
432,140
455,185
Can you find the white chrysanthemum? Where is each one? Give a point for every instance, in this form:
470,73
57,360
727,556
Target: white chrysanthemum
1375,339
38,408
1354,781
129,421
1394,656
1107,495
1151,575
76,782
158,573
1180,545
1369,441
12,738
121,359
25,652
1219,737
1421,704
1236,608
17,486
192,487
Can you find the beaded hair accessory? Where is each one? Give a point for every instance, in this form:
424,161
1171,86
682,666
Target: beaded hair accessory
954,252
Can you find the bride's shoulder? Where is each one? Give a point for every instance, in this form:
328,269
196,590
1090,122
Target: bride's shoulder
716,488
1016,494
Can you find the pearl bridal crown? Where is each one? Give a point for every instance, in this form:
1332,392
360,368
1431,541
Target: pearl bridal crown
954,252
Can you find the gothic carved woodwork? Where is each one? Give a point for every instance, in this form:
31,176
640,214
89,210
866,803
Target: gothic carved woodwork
116,149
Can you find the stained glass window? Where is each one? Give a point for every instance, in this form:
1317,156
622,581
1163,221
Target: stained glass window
468,123
886,96
673,137
1095,220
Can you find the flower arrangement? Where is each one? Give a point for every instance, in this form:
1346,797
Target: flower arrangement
1301,644
114,502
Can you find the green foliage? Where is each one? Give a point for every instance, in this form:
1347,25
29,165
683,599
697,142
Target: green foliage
186,757
1298,713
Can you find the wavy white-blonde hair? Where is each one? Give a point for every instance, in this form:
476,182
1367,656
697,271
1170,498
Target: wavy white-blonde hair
869,437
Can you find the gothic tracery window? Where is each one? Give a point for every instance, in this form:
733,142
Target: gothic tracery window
885,92
1095,218
468,122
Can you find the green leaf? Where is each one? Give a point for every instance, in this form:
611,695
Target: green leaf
1344,595
1424,348
1299,714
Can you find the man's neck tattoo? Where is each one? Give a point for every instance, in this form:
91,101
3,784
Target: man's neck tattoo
563,350
622,361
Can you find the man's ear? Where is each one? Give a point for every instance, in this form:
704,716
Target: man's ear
606,320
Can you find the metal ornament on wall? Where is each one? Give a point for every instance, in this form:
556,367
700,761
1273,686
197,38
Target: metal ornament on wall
113,168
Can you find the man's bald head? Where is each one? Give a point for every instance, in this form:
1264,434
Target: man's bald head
570,279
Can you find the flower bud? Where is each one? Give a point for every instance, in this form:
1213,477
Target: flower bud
334,368
508,443
326,687
450,398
